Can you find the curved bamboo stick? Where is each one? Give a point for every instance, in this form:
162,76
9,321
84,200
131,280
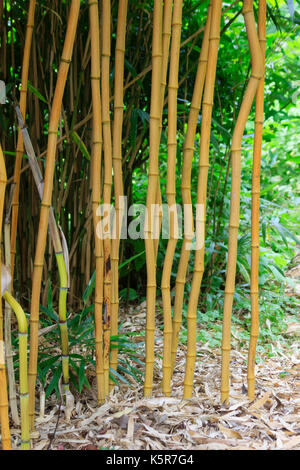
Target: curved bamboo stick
58,249
19,151
258,134
237,137
23,336
46,201
107,146
171,194
188,152
4,420
96,192
214,38
155,113
7,324
118,174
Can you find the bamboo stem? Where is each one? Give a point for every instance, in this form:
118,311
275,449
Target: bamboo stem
107,147
23,336
96,193
4,420
188,152
59,253
155,112
7,322
118,174
46,201
171,194
214,38
19,151
258,135
166,35
256,74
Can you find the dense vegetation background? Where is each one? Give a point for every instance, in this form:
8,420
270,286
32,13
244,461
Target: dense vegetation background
72,186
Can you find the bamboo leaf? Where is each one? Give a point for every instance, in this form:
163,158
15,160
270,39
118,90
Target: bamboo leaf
36,92
75,137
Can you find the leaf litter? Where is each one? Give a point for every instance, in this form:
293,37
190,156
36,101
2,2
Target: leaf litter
128,421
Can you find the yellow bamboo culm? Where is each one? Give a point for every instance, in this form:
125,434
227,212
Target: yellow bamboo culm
107,146
23,339
7,323
166,35
258,134
19,150
46,201
118,173
256,75
4,419
171,194
188,151
155,118
59,254
96,192
214,38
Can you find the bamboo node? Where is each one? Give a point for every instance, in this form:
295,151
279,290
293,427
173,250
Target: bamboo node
207,103
67,61
257,77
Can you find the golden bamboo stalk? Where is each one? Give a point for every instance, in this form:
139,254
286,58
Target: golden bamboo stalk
19,151
118,174
171,194
256,75
4,419
188,151
96,192
214,38
23,336
166,35
107,147
155,117
59,253
46,201
258,135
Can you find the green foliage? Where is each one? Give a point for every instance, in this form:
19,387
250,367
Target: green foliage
81,340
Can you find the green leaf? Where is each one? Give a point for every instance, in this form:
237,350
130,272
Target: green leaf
90,287
36,92
131,259
75,137
132,294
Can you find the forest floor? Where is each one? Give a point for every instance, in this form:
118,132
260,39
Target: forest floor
129,421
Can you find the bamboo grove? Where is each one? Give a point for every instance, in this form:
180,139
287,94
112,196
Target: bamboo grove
107,83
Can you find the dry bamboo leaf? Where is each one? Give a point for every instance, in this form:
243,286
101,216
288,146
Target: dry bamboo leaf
260,402
99,413
65,253
130,427
126,411
41,445
69,398
5,278
293,328
293,442
229,432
